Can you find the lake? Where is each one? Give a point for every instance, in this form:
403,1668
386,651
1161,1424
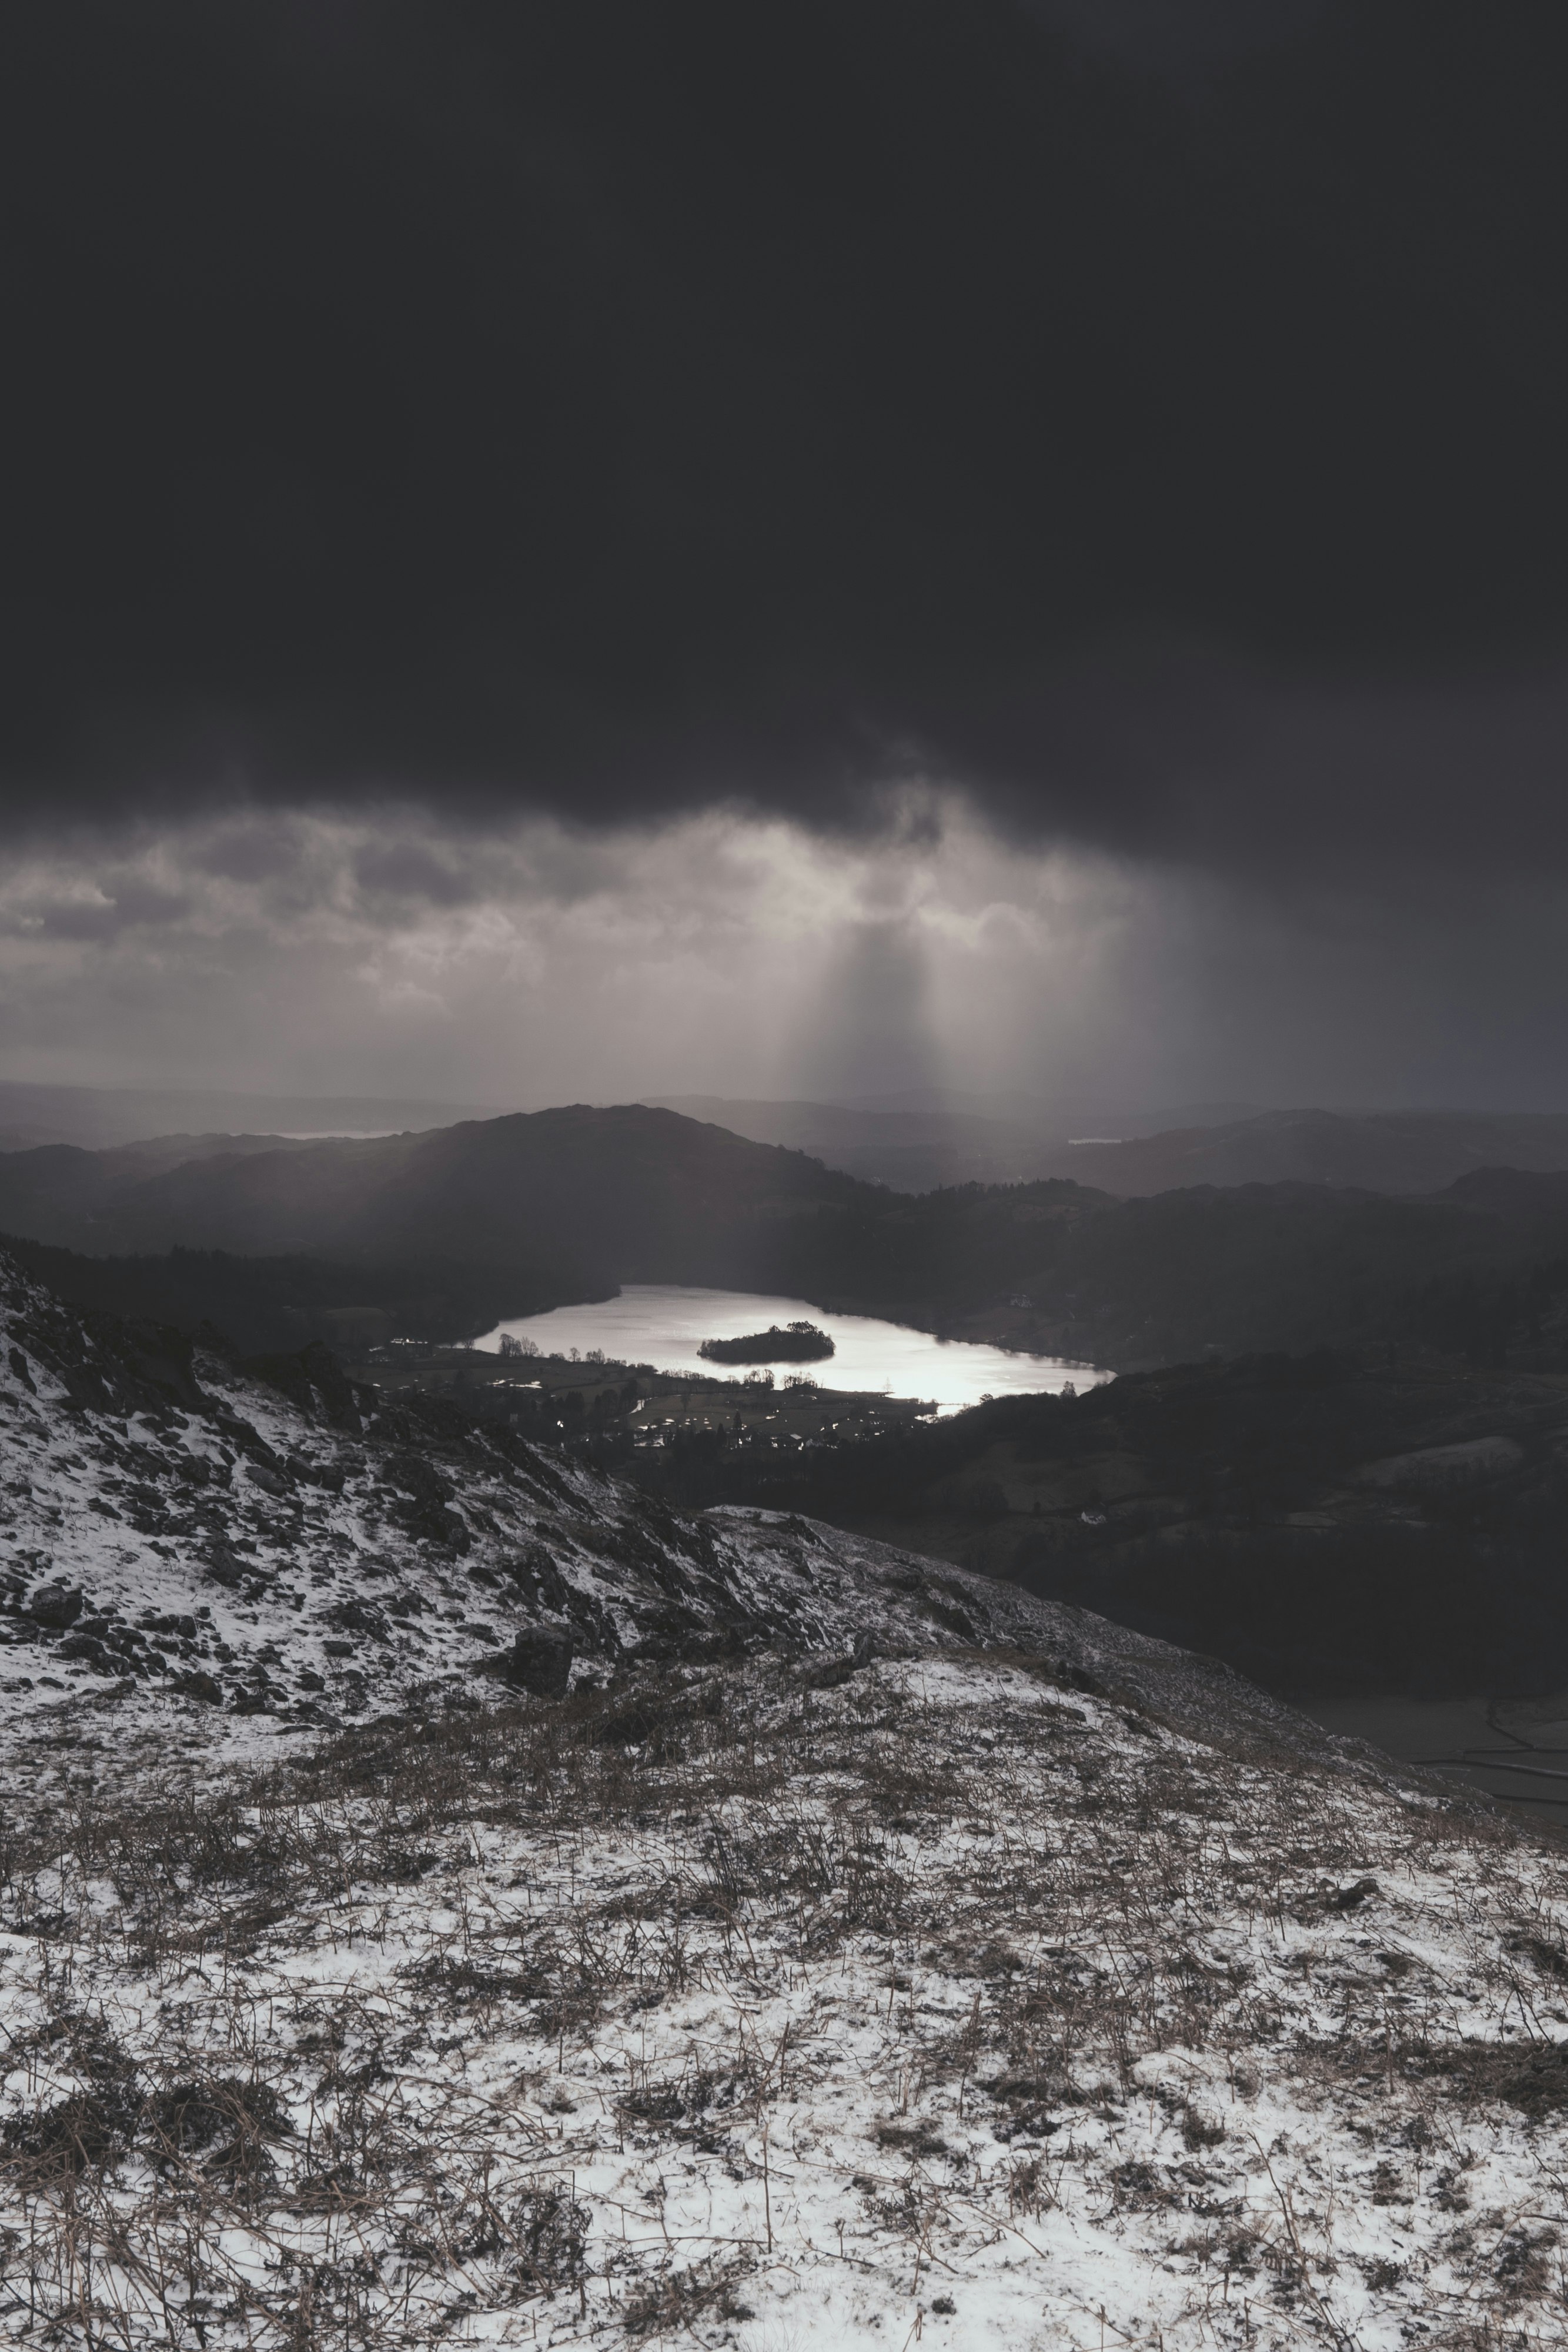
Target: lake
662,1324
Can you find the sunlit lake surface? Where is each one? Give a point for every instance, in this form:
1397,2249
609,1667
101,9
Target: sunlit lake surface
662,1324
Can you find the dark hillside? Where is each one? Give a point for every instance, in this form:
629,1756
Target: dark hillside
60,1191
266,1303
635,1191
1327,1522
930,1258
1260,1266
1055,1269
1480,1270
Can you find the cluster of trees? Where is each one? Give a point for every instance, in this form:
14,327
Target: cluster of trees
794,1343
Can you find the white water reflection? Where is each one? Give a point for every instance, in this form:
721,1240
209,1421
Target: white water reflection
662,1324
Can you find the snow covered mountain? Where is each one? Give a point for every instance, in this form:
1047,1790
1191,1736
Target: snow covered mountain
447,1898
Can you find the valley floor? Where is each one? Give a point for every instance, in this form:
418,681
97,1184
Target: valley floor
778,2003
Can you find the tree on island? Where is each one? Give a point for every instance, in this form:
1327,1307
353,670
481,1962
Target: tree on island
796,1343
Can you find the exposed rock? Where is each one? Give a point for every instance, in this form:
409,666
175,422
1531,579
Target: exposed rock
55,1606
92,1648
315,1383
540,1660
356,1616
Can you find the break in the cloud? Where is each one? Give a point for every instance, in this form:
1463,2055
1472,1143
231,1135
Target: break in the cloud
536,963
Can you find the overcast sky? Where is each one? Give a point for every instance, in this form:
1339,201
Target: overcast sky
572,550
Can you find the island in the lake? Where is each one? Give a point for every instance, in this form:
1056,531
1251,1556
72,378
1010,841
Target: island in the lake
796,1343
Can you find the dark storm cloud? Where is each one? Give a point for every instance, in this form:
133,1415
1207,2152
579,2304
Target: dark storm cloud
605,408
1188,44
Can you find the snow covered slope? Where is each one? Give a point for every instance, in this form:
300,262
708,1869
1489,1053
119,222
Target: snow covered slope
176,1534
856,1953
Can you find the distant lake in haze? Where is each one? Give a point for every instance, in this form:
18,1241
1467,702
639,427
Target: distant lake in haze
664,1324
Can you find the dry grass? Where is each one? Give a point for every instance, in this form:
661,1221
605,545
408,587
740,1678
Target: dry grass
718,1994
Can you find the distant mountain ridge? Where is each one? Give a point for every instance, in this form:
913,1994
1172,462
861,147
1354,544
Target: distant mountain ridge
930,1138
921,1148
909,1151
1373,1152
936,1136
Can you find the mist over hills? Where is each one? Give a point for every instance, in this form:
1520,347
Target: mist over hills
913,1150
1380,1151
98,1117
929,1137
939,1137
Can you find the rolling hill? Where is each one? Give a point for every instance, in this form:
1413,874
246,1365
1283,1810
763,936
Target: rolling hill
634,1194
